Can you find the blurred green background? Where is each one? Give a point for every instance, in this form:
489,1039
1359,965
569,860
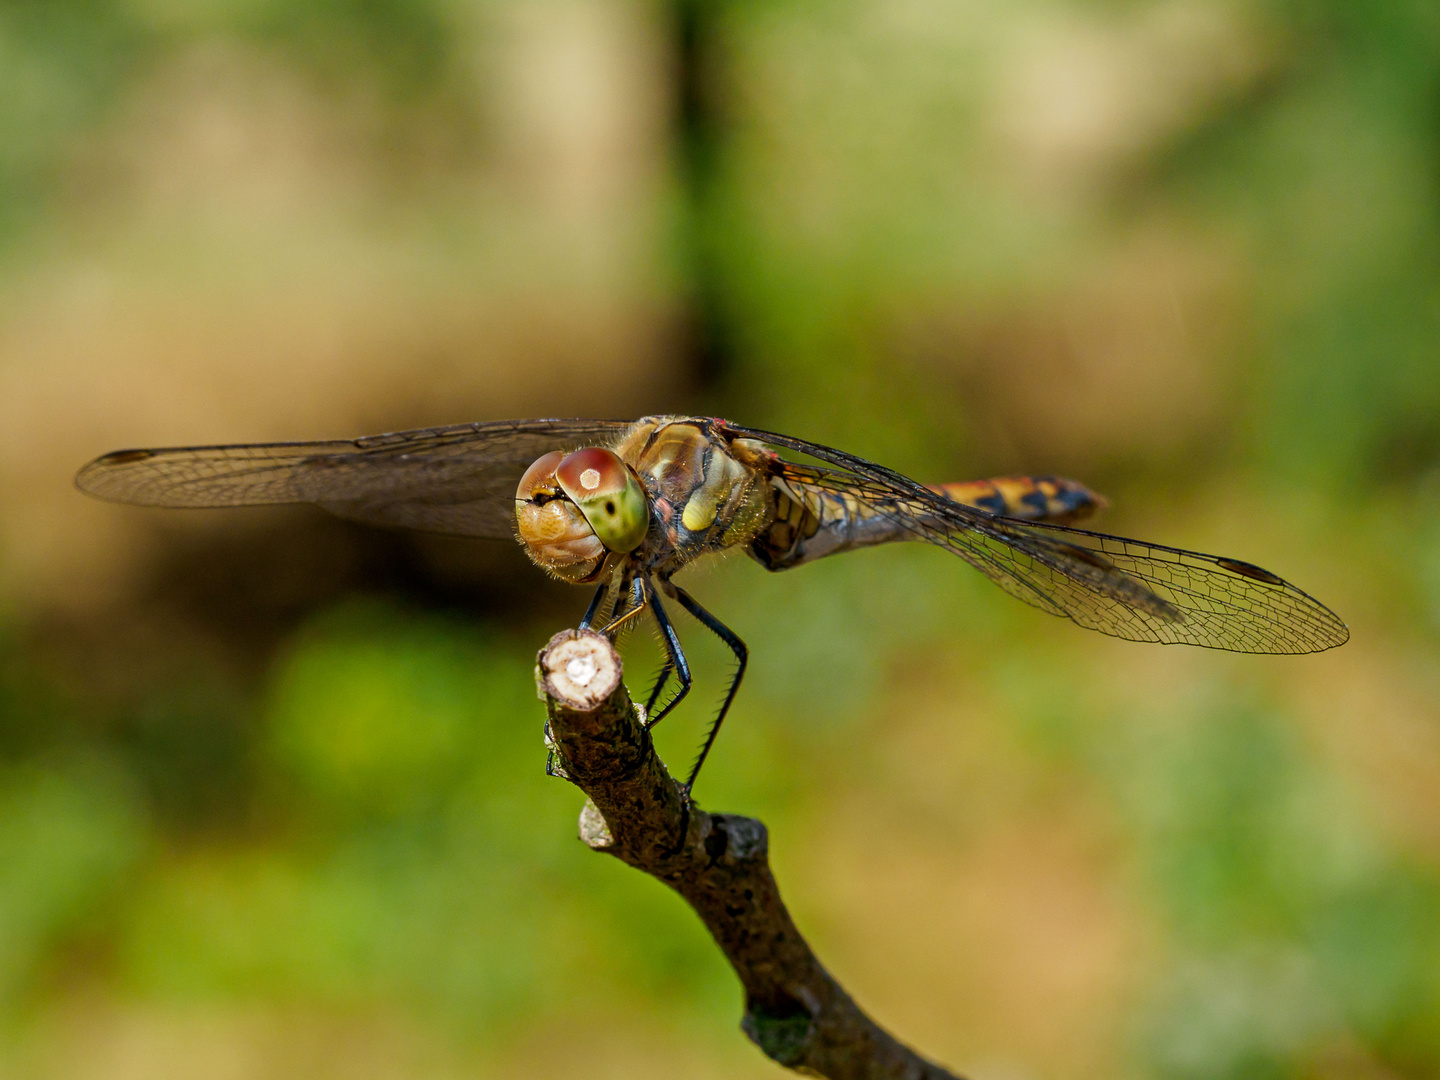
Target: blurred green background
271,790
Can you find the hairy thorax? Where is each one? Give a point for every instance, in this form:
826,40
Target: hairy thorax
706,494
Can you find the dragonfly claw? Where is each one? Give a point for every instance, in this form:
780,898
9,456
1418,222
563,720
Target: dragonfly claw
686,803
553,767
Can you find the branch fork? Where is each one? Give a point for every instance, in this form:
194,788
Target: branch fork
795,1011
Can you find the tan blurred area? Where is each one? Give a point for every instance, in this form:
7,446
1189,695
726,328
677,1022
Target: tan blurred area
272,800
245,258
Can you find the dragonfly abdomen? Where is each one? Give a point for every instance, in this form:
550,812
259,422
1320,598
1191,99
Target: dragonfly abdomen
811,521
1051,499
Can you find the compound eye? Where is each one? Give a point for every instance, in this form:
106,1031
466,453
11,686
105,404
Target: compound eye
591,473
540,477
608,494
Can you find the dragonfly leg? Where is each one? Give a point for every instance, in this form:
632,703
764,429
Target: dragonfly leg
608,600
553,767
595,603
676,657
660,681
640,596
742,655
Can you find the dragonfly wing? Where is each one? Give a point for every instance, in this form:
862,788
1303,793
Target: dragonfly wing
1121,587
1208,600
458,479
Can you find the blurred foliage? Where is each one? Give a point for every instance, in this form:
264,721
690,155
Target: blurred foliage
939,237
67,65
857,195
69,835
62,67
1290,929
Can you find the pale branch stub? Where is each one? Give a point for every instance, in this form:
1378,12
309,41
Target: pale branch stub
795,1011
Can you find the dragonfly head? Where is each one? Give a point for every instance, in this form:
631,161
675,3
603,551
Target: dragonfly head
573,510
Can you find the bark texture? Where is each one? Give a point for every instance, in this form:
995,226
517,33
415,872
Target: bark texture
795,1011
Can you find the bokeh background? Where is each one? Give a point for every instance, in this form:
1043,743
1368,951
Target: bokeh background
271,790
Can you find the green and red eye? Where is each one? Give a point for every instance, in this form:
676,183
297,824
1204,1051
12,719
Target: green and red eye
608,494
555,532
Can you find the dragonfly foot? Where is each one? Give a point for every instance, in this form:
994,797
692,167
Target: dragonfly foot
686,801
553,766
684,831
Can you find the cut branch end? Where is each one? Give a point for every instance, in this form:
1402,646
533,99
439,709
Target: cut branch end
795,1010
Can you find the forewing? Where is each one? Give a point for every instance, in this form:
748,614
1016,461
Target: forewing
1126,588
458,479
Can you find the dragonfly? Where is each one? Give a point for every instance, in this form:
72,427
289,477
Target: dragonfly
625,505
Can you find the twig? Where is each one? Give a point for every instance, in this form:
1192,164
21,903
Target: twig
795,1011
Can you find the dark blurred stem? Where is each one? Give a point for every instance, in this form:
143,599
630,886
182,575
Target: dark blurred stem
795,1011
698,139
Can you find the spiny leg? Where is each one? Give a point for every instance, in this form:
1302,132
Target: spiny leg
594,608
676,657
742,655
660,681
640,595
619,584
640,598
638,603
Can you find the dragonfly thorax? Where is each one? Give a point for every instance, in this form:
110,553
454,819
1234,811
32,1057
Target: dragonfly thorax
572,511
